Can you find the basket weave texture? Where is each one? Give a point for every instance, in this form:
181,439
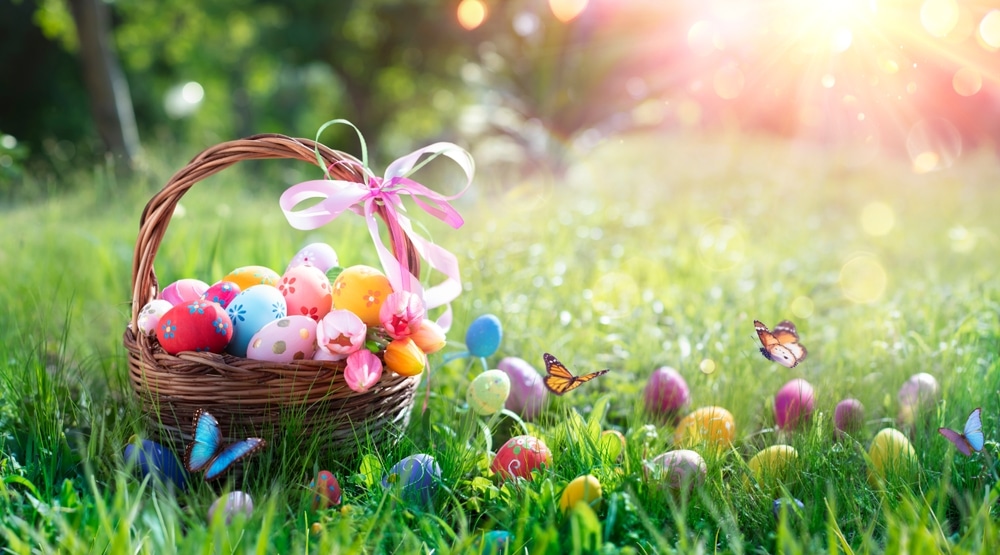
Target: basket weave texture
253,398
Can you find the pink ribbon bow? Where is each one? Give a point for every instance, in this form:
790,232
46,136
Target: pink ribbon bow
363,198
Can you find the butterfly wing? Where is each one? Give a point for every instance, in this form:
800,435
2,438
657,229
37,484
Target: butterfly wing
560,380
207,441
974,430
767,339
785,332
231,454
783,345
958,439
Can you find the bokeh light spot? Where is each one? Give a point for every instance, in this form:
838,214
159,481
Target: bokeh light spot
939,17
689,113
721,245
471,14
828,81
877,219
701,38
887,63
567,10
962,239
707,366
933,144
989,29
967,81
728,82
863,279
842,39
802,307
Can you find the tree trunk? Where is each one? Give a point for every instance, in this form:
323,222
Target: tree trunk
110,103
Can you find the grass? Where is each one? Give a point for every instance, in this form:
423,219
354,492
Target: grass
654,251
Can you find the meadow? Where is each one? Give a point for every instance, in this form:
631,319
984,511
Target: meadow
652,251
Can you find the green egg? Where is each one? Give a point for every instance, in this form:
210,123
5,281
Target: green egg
488,392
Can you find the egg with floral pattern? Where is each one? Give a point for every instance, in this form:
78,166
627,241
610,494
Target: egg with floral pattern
222,292
195,326
320,255
362,290
248,276
307,292
149,316
250,311
284,340
519,456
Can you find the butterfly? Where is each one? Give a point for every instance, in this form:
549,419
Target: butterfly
558,378
971,438
782,345
206,451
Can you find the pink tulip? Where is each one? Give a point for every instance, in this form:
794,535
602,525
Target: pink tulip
341,332
401,314
363,370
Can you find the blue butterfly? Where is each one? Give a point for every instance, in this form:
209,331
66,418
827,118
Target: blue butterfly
971,438
206,451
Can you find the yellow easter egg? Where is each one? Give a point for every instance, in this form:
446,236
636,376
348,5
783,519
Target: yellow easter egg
892,457
773,466
586,489
361,290
248,276
713,425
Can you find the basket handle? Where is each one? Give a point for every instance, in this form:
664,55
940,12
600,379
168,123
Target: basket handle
158,211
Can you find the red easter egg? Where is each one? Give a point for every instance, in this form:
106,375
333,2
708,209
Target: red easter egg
519,456
326,490
195,326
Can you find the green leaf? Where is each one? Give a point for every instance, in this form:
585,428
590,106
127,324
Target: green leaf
371,470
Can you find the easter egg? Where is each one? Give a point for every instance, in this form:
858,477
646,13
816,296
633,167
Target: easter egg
319,255
583,489
714,425
892,456
679,470
793,404
666,393
612,446
251,310
307,292
774,465
326,490
183,290
488,392
786,504
284,340
416,476
519,456
920,392
494,542
195,326
361,290
246,277
483,336
222,292
527,391
149,316
848,417
153,459
231,505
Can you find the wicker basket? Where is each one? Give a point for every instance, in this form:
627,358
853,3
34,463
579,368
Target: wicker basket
252,397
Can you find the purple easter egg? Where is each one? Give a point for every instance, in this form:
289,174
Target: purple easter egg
793,404
153,459
678,470
848,417
318,255
222,292
919,392
483,336
527,391
666,392
416,476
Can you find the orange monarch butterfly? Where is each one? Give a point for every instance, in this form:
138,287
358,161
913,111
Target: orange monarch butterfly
559,380
782,345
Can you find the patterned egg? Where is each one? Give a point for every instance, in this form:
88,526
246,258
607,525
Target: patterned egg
678,470
666,393
306,291
488,392
892,457
222,292
773,466
326,490
519,456
483,336
612,446
153,459
284,340
793,404
583,489
361,290
714,425
320,255
233,504
183,290
416,476
251,310
248,276
195,326
149,316
848,417
527,391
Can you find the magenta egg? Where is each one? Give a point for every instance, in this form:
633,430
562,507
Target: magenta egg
222,292
666,392
184,290
527,391
849,416
793,404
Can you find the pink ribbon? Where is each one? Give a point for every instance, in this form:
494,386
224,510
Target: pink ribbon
335,196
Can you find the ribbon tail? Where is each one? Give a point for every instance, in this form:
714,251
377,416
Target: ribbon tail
400,279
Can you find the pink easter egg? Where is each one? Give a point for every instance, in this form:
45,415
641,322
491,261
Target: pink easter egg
284,340
307,291
678,470
849,417
326,490
519,456
222,292
666,393
793,404
320,255
184,290
198,325
920,392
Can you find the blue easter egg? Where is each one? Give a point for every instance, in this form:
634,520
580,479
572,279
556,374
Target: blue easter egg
151,458
251,310
416,476
788,504
484,335
495,542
